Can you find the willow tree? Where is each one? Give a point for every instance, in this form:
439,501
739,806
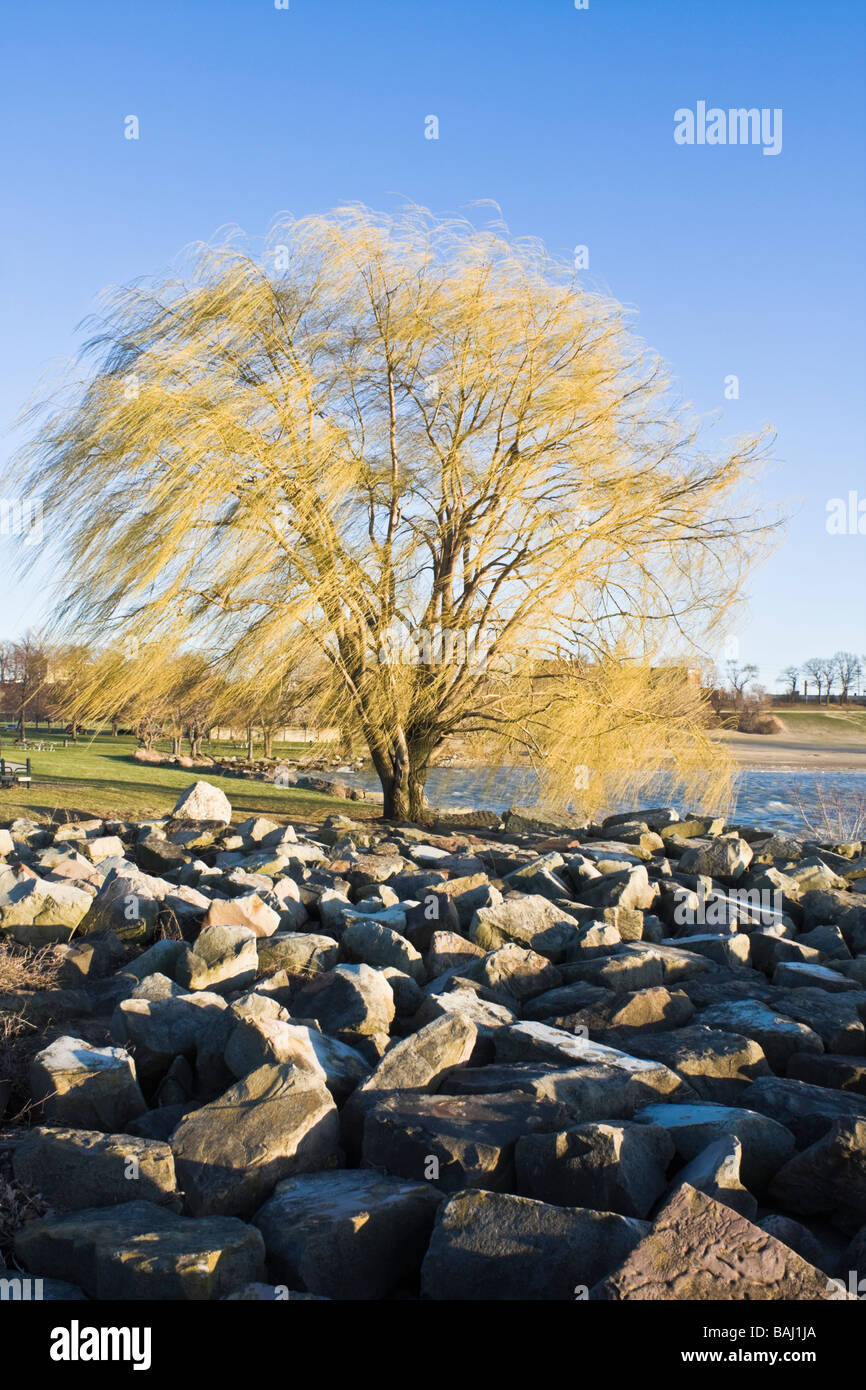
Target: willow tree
382,432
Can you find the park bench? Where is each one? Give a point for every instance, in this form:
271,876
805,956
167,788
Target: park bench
14,774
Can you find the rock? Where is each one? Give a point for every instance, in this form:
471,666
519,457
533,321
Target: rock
836,1073
700,1250
718,1066
229,1155
538,1042
530,921
829,1178
348,999
447,950
716,1172
778,1037
368,940
653,1010
799,975
453,1141
302,954
86,1087
791,1233
127,904
846,910
142,1251
85,1168
161,1029
835,1018
807,1111
222,958
37,913
489,1245
416,1063
629,889
258,1041
766,1144
609,1167
726,858
203,802
347,1234
246,911
514,972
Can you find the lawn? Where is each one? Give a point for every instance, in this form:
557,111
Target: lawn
99,777
833,723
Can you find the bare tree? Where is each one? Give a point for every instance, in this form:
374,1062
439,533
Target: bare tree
849,669
790,677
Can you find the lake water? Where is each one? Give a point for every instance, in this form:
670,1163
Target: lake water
782,801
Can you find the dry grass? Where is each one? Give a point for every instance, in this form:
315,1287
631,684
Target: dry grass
838,817
17,1205
22,967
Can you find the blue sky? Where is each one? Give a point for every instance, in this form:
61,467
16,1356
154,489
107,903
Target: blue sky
737,262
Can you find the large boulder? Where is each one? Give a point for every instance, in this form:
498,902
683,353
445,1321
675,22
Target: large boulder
229,1155
223,958
351,1234
766,1144
606,1166
86,1087
349,999
829,1178
416,1063
490,1245
700,1250
203,802
84,1168
454,1141
36,913
141,1251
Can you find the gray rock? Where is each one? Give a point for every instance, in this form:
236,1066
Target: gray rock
609,1167
203,802
85,1168
349,999
143,1251
489,1245
86,1087
766,1144
230,1155
700,1250
348,1234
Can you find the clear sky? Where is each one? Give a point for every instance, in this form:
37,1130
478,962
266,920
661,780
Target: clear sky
737,263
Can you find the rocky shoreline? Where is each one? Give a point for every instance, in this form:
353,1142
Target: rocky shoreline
496,1059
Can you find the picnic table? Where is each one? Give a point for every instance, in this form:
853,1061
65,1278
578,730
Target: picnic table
14,774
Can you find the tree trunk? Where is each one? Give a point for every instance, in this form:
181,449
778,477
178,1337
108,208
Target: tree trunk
268,737
402,771
250,744
175,745
114,726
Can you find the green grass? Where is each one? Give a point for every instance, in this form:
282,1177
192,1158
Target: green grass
834,722
99,777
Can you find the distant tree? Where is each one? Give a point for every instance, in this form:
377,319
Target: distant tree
829,674
813,670
849,669
739,677
30,662
791,678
